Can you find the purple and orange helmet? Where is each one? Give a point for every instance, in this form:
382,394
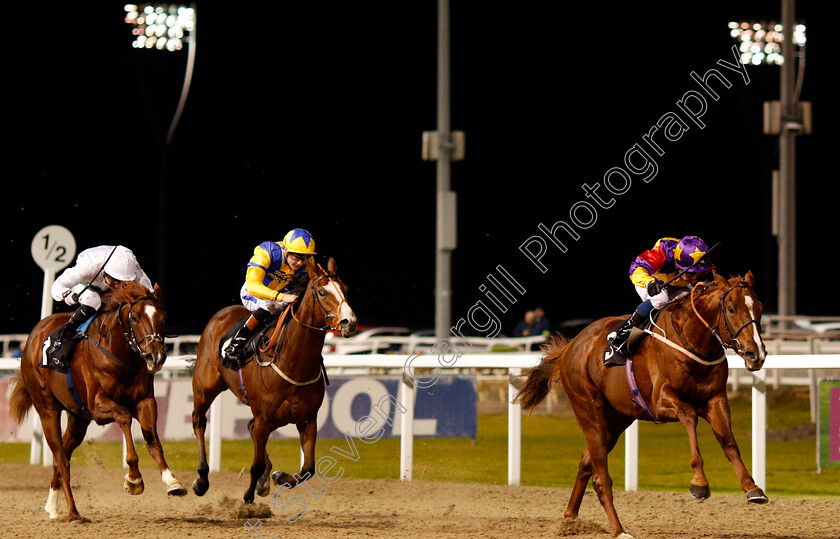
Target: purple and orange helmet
689,250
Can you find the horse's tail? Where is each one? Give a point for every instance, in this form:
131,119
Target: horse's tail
21,401
539,380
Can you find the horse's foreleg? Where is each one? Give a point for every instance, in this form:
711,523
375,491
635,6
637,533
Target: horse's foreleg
51,423
147,416
106,410
259,433
699,486
308,435
721,422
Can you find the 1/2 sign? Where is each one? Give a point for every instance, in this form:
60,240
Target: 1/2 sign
53,248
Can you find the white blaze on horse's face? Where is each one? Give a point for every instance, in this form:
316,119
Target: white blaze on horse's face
346,316
150,311
759,344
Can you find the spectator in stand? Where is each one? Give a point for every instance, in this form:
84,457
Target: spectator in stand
525,326
541,324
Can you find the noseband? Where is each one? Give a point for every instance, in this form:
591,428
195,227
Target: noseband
732,343
130,335
331,320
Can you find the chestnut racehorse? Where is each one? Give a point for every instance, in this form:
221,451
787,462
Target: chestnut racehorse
112,372
677,380
283,384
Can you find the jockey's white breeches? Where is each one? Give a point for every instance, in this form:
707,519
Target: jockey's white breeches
663,298
253,303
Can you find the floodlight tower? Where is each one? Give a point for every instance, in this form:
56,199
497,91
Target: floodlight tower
777,44
165,28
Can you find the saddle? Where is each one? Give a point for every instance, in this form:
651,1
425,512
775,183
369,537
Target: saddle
59,360
251,348
637,335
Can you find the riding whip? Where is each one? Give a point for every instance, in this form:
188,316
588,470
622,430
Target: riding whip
76,296
678,275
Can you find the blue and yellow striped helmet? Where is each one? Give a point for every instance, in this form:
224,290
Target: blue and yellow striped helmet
299,241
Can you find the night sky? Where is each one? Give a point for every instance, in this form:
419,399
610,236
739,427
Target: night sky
312,115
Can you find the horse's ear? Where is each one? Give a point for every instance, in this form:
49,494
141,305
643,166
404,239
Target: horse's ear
332,267
750,279
156,291
311,268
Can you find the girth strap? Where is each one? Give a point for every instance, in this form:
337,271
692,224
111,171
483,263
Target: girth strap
634,389
68,377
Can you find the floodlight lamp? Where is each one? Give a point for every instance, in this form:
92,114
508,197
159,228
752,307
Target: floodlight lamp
160,26
761,43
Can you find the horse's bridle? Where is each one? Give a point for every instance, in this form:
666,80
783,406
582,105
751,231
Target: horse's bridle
733,343
330,319
131,338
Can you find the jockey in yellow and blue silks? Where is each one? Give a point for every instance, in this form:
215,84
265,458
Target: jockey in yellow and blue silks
648,272
271,269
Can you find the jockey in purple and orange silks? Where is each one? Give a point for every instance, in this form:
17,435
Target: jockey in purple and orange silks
271,269
648,272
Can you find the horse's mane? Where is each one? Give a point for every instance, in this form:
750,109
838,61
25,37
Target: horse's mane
298,284
125,292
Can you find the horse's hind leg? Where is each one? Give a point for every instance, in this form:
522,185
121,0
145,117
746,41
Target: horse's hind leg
203,397
147,416
51,422
600,430
618,425
73,436
719,418
579,489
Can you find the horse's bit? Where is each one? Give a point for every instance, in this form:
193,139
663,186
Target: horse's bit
130,335
733,343
331,319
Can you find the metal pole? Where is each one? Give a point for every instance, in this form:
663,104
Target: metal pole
445,221
787,167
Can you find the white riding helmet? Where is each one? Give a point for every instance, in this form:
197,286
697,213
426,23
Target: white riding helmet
122,265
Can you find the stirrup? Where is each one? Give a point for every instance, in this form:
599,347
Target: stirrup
614,357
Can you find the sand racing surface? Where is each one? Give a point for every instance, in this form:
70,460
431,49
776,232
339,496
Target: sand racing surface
388,509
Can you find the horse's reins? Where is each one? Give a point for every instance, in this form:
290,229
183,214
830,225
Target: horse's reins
129,333
330,319
736,347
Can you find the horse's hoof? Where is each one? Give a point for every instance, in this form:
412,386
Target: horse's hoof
283,479
134,487
625,536
700,493
757,495
200,486
264,489
176,489
77,519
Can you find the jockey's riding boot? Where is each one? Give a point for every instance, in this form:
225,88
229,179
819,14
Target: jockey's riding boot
238,342
618,340
69,329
